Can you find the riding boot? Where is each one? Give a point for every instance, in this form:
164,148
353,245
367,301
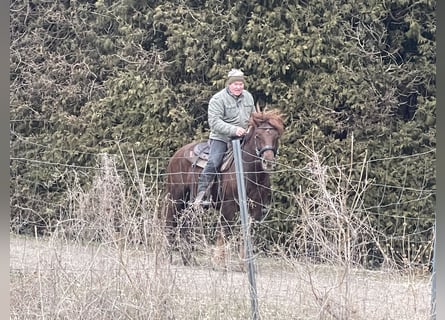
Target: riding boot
204,181
200,198
208,174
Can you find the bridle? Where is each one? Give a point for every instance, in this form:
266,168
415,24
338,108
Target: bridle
259,151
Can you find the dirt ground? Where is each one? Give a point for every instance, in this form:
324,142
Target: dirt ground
52,279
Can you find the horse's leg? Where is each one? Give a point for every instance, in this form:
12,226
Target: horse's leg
255,210
186,241
223,232
174,220
180,218
170,209
219,257
242,254
185,216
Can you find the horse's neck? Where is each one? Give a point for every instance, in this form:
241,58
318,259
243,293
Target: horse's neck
252,165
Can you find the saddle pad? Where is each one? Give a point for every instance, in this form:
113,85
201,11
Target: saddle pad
202,150
199,156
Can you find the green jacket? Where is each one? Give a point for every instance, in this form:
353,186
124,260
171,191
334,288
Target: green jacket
226,112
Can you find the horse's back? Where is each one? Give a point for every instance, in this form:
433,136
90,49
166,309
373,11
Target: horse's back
180,167
181,153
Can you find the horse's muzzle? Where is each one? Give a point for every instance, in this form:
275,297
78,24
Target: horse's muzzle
268,161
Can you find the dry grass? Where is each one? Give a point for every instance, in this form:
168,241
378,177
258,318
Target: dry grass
86,269
53,279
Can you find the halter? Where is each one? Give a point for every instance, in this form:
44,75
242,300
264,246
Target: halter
259,152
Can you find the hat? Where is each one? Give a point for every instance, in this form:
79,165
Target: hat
235,75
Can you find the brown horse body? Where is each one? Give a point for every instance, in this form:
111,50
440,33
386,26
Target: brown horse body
259,148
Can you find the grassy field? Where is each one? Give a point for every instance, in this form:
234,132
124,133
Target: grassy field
57,279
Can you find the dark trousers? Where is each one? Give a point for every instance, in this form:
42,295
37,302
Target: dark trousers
216,154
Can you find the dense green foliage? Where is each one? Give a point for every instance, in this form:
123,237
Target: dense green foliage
355,79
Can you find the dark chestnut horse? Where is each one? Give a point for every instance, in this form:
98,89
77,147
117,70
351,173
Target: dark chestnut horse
259,148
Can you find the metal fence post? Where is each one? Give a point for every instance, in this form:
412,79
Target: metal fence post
244,223
433,279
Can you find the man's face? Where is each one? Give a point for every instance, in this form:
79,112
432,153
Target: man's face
236,88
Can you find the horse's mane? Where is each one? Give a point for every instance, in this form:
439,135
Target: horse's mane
272,117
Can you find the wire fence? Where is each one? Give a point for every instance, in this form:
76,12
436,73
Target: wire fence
421,226
107,254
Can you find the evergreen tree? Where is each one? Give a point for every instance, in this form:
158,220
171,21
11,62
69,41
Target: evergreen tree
134,78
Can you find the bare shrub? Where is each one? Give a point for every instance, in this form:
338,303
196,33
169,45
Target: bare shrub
112,209
61,279
108,261
334,227
334,230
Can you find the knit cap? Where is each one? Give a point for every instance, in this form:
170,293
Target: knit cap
235,75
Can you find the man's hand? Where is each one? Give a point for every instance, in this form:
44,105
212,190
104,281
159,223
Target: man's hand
240,132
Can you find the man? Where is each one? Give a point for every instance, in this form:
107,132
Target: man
228,116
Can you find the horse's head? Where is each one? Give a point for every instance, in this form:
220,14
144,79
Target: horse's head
265,131
266,146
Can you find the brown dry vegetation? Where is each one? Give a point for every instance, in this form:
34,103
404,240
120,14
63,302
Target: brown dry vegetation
55,279
97,264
